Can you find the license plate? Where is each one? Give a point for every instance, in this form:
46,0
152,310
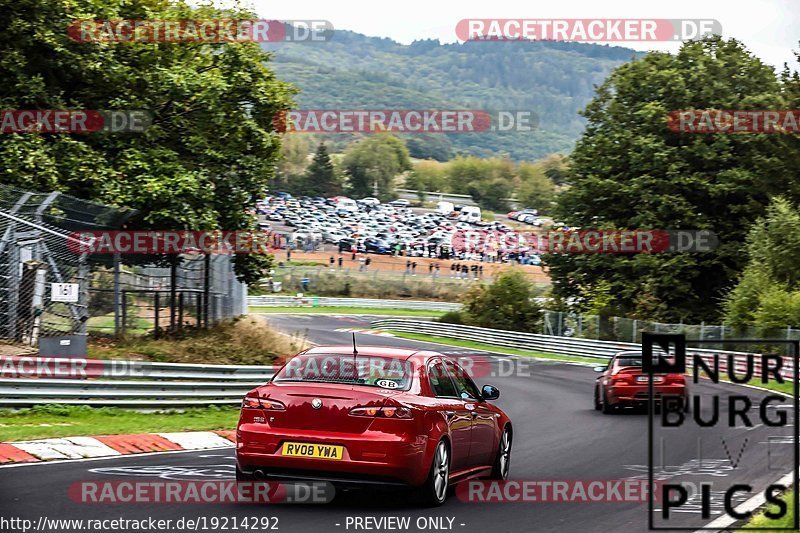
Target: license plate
317,451
656,379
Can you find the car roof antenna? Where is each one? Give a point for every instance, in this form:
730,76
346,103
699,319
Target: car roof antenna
355,350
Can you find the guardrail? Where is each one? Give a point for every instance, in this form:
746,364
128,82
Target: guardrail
28,381
589,348
324,301
510,339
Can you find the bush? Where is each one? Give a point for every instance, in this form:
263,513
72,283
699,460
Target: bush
452,317
505,304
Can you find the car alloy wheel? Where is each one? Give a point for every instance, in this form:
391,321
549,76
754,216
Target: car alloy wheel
441,472
502,464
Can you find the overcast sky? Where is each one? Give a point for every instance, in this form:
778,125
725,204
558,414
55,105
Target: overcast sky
769,28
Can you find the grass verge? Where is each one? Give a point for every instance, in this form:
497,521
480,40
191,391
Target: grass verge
47,421
491,348
243,341
760,521
346,311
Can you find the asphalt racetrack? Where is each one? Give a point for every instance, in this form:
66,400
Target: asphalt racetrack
558,436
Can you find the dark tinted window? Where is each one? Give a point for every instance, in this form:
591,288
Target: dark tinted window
466,388
441,383
629,361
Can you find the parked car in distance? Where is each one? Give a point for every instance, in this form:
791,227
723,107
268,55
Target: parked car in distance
370,201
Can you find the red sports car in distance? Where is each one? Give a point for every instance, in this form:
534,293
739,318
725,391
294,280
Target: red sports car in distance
622,383
379,416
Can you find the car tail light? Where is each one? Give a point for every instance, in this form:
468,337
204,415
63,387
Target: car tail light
251,402
677,379
254,402
382,412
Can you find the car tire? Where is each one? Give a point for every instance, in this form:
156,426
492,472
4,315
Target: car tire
607,407
502,463
434,492
597,404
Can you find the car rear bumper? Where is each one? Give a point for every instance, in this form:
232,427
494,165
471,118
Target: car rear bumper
370,457
640,395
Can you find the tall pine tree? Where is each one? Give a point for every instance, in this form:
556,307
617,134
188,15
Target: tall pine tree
320,178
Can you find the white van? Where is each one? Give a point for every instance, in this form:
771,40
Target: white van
445,208
470,214
346,204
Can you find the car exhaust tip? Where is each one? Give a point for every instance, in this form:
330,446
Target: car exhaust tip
259,475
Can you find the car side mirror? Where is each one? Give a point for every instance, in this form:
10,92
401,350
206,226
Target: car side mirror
490,392
599,369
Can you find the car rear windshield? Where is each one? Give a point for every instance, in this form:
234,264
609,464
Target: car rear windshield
370,371
629,361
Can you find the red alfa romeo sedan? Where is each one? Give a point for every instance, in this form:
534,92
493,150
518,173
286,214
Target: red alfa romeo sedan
379,416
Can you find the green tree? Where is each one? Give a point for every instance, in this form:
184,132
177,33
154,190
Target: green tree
492,194
629,170
320,178
211,149
378,159
765,294
774,243
293,161
505,304
536,188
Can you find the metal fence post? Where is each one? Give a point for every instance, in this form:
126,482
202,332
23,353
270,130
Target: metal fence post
118,305
124,318
206,288
173,280
180,310
156,305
